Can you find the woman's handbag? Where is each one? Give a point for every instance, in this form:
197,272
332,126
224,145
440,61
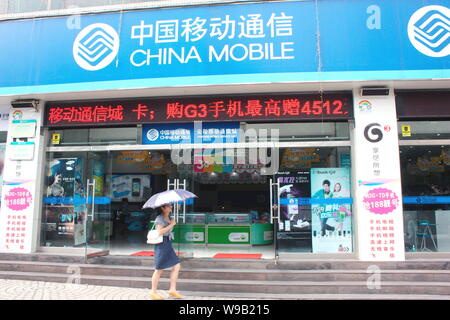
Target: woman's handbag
153,236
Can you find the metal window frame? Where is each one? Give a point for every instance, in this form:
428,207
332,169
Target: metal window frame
434,142
242,145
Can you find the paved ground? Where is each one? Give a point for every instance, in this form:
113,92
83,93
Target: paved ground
38,290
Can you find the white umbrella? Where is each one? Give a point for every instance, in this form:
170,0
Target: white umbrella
166,197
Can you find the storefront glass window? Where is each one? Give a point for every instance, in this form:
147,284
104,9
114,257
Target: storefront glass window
300,131
19,6
93,136
233,207
426,197
422,130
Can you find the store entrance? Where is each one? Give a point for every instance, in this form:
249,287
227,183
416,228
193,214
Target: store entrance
230,216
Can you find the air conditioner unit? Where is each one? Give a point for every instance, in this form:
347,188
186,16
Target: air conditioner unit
374,92
19,104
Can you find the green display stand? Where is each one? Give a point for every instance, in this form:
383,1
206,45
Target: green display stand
189,233
218,234
262,234
256,234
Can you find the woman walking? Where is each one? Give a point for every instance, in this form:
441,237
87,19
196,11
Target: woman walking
165,256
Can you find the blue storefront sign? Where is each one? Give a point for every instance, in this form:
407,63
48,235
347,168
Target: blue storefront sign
224,44
426,200
173,133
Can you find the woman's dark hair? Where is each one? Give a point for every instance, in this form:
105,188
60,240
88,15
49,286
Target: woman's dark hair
159,211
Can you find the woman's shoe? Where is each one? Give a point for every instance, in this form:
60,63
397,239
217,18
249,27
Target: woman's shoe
155,296
175,295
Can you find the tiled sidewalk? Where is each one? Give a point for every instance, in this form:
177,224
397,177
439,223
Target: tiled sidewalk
37,290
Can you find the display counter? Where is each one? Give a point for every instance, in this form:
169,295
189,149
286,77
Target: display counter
223,229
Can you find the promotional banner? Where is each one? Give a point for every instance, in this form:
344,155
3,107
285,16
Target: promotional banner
377,180
299,158
331,210
2,164
186,109
150,162
327,40
20,193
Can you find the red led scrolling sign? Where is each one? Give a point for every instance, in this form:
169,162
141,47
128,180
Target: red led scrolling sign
185,109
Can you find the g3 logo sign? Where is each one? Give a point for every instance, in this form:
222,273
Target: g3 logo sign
429,31
96,46
373,133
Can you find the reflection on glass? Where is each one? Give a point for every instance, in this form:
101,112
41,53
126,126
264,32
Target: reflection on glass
422,130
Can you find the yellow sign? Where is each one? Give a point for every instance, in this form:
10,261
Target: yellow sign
56,138
406,130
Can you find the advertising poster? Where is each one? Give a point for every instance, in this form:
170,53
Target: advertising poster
2,163
299,158
65,194
135,188
64,180
331,210
294,192
20,207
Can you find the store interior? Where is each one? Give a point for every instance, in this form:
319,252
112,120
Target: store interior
426,192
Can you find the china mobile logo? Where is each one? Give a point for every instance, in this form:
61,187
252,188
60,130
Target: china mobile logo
152,134
96,46
429,31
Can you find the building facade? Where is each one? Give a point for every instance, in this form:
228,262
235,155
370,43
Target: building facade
307,129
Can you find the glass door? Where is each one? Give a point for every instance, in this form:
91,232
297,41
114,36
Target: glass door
98,224
76,202
230,217
184,233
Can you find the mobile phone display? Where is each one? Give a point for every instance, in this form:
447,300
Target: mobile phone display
136,187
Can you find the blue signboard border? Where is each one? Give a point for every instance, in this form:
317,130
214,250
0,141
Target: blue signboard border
237,79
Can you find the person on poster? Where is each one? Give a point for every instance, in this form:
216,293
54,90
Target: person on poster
324,193
338,192
56,189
